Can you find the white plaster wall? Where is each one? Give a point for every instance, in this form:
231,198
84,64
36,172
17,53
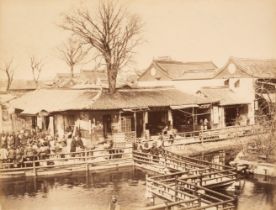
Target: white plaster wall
192,86
246,90
188,86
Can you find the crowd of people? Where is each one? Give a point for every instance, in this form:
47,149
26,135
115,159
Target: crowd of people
29,145
17,148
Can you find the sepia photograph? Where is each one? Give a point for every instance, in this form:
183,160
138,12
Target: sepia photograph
137,104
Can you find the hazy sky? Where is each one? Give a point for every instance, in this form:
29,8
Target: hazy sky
186,30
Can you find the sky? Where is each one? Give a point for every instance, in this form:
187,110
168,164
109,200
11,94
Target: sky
186,30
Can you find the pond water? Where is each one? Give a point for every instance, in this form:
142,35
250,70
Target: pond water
258,193
78,191
93,192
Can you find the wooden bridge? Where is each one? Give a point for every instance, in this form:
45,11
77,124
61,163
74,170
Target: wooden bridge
182,182
185,182
181,194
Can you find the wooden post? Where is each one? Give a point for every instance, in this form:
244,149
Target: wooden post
119,122
199,200
1,119
135,123
34,169
193,116
170,117
153,200
87,167
200,178
176,188
85,155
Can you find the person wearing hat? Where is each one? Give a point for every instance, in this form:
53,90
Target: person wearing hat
114,203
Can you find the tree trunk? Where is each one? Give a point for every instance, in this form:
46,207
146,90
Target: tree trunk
36,84
8,86
111,76
9,81
72,72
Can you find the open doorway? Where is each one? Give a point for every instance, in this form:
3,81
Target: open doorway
107,125
139,124
157,120
236,115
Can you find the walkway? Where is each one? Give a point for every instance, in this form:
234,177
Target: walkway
185,182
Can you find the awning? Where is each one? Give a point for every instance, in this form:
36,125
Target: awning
184,106
239,102
135,109
34,112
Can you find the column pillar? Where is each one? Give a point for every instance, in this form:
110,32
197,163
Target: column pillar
145,122
170,117
251,113
135,123
221,117
119,122
1,120
194,115
59,124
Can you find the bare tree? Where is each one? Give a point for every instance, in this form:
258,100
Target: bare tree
72,53
9,71
111,31
265,141
36,67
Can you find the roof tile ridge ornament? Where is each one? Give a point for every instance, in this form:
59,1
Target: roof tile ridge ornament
155,63
237,61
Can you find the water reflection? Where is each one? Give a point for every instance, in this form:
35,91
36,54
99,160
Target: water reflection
92,191
75,191
259,192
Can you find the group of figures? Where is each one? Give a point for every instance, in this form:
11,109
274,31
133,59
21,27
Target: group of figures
29,145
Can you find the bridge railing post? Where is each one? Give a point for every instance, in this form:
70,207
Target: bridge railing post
201,176
34,169
176,189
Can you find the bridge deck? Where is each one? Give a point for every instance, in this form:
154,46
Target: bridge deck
185,182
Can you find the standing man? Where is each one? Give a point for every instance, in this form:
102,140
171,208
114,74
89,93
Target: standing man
114,204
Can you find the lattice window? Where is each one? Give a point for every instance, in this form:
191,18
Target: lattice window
126,123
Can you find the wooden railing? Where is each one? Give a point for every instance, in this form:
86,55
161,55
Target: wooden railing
196,171
91,157
203,136
204,163
194,195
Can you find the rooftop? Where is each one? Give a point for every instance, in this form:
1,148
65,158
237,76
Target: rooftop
177,70
53,100
259,68
224,95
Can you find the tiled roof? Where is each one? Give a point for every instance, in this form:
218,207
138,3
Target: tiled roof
146,98
225,96
51,100
177,70
83,78
259,68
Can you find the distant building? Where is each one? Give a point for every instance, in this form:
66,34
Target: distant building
234,90
19,86
186,76
128,111
86,78
254,79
